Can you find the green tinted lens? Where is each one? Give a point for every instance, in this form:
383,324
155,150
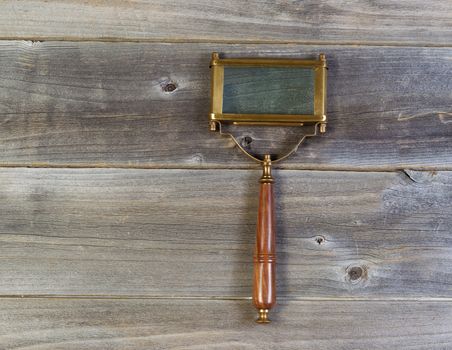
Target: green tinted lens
268,90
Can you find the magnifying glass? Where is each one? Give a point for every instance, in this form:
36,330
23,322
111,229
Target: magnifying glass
267,93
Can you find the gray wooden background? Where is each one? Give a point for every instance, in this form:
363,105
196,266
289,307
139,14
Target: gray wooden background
126,224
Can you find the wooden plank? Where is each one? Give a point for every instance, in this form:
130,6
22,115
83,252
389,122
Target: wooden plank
384,22
178,233
146,105
192,324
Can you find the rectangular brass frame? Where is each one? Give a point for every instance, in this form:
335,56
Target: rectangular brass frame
216,110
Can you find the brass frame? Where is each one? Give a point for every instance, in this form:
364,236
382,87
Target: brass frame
216,109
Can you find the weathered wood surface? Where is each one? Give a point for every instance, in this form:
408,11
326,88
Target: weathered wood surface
162,259
94,104
191,324
390,22
191,233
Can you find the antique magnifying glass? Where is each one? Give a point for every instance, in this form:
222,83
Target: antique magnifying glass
271,94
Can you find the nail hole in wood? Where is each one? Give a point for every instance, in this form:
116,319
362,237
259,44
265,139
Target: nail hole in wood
320,240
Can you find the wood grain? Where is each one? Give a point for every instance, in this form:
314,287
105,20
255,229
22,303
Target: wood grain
384,22
146,105
192,232
192,324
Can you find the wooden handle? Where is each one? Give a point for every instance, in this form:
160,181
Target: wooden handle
264,293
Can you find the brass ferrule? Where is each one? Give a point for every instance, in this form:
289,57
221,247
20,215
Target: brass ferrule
263,316
267,170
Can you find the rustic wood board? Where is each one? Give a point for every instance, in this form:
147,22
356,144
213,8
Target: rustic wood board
200,324
384,22
111,104
191,233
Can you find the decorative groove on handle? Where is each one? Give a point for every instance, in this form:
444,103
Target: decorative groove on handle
264,293
262,258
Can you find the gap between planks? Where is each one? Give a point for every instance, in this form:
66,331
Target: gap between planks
251,166
223,298
238,42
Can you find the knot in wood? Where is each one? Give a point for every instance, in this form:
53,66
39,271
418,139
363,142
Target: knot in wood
170,87
356,274
246,141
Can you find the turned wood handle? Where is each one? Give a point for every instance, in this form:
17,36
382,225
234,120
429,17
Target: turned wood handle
264,293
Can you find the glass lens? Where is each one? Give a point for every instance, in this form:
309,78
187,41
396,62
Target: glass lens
268,90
